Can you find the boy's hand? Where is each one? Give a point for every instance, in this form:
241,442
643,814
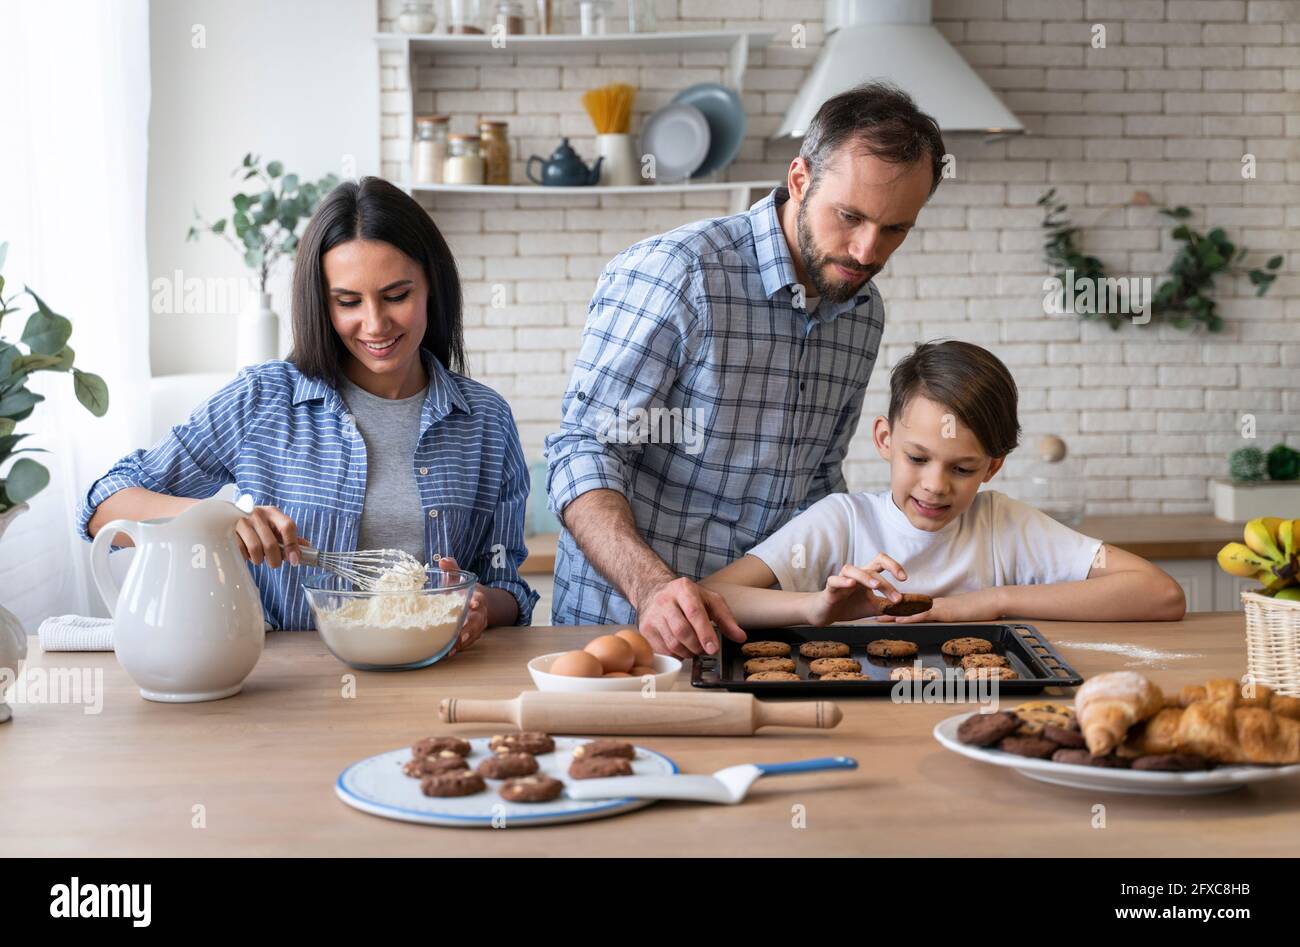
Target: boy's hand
849,594
969,606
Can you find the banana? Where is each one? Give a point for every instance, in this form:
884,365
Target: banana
1272,584
1236,559
1288,538
1261,536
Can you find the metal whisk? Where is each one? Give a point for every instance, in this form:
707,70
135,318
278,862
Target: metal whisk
365,567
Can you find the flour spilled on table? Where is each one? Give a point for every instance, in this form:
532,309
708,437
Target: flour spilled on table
1141,656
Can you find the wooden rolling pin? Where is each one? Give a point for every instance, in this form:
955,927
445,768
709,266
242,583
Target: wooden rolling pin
632,713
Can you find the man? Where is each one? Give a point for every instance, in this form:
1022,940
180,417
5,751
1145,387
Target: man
722,374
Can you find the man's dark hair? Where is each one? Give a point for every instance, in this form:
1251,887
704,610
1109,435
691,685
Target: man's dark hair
372,209
969,380
878,119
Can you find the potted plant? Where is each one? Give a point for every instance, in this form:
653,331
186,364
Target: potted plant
263,229
45,341
1259,484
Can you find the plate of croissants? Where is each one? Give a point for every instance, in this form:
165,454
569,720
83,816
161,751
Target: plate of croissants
1123,734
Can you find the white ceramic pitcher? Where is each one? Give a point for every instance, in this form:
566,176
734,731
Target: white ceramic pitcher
187,621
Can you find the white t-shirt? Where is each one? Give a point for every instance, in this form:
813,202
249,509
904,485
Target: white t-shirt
998,541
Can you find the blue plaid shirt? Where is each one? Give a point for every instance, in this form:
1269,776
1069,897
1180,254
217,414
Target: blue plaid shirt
289,441
708,398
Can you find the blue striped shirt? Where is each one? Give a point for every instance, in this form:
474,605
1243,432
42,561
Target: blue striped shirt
756,399
288,441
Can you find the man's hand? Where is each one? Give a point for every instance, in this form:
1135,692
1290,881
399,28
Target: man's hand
850,594
677,617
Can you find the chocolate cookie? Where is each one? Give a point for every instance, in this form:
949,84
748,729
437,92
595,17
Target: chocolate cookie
454,782
508,765
1035,747
910,604
765,649
431,745
1171,763
910,672
991,674
773,676
844,676
889,648
616,748
958,647
527,741
595,767
987,729
754,665
539,788
984,661
1084,758
438,763
824,649
826,665
1070,739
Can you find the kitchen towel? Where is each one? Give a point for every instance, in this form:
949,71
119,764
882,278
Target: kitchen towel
76,633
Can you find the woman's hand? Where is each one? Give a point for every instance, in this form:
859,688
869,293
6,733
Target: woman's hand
263,532
476,620
849,594
982,605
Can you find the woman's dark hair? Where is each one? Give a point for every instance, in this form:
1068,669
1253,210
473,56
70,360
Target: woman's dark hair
371,209
969,380
878,118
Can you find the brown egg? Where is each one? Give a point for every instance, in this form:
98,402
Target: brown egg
645,656
616,674
642,671
577,664
614,654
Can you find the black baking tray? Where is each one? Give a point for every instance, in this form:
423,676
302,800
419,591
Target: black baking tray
1030,654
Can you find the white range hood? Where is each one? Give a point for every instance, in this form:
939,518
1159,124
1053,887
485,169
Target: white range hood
894,40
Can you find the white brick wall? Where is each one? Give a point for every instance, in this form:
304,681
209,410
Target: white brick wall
1182,90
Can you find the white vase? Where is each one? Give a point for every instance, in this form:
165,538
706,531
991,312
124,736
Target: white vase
258,339
621,168
13,639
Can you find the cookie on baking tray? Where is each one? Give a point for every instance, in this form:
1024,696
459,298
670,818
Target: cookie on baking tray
910,672
824,649
890,648
844,676
826,665
754,665
984,661
959,647
774,676
991,674
765,649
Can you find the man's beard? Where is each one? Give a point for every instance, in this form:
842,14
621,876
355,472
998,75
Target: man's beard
814,261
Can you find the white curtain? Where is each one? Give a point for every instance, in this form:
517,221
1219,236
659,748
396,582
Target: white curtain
75,113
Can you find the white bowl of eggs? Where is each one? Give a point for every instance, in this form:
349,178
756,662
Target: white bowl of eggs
618,662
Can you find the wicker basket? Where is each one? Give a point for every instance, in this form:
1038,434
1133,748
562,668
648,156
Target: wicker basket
1273,642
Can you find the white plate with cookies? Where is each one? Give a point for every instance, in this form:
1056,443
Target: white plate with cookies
1104,779
379,786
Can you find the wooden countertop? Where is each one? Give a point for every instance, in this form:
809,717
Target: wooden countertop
124,782
1151,536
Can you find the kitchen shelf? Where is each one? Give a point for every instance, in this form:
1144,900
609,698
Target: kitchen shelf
739,190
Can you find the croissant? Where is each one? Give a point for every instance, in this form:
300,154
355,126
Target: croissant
1220,731
1108,704
1225,688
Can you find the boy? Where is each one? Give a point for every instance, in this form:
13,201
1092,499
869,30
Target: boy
981,556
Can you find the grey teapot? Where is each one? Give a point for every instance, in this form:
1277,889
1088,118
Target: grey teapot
564,169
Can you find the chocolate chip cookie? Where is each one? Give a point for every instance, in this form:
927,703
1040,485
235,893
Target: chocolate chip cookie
910,604
508,765
596,767
959,647
827,665
454,782
991,674
539,788
911,672
765,649
432,745
824,649
527,741
987,729
615,748
774,676
984,661
420,766
844,676
889,648
755,665
1036,714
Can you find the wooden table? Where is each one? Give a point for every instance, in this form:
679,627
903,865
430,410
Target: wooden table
262,765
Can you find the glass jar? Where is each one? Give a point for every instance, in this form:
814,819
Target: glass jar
428,149
416,17
593,17
641,16
464,164
464,16
546,17
510,18
496,152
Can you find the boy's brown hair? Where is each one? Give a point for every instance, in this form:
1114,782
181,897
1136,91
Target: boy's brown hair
970,380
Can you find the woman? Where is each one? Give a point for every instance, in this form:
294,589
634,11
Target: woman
368,437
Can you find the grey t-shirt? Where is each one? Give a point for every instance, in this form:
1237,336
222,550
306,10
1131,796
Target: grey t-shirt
392,516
